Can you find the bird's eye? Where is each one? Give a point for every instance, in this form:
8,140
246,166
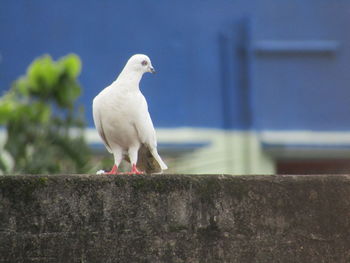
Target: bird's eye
144,63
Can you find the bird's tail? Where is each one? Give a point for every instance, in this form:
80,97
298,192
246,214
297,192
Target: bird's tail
150,161
159,160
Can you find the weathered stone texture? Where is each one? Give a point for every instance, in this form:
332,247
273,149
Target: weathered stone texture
175,218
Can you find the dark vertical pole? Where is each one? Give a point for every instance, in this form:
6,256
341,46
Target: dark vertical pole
235,86
226,79
235,75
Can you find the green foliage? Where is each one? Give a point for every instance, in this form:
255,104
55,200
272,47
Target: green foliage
40,115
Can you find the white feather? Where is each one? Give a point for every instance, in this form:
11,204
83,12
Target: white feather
121,114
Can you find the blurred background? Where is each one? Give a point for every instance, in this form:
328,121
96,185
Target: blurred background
243,87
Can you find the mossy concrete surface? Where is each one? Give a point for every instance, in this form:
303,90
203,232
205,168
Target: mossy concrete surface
175,218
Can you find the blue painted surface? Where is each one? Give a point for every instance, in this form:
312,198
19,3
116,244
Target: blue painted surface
303,90
211,70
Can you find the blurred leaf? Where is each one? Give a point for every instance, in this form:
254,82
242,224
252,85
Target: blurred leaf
7,109
42,75
22,86
67,94
71,64
39,110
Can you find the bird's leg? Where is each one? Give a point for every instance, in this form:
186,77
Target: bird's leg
118,155
113,171
134,170
133,151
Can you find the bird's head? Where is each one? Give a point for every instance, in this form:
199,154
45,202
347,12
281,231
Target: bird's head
140,63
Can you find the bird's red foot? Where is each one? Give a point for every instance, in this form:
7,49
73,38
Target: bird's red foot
134,170
113,171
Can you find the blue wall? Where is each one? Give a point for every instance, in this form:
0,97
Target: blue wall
221,64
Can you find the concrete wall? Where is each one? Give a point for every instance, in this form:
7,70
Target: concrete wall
175,218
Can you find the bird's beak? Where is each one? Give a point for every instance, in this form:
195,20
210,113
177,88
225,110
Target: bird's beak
152,70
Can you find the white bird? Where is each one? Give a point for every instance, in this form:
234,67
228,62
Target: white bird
121,117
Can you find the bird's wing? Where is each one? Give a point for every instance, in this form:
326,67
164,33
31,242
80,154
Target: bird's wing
99,125
144,127
147,136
